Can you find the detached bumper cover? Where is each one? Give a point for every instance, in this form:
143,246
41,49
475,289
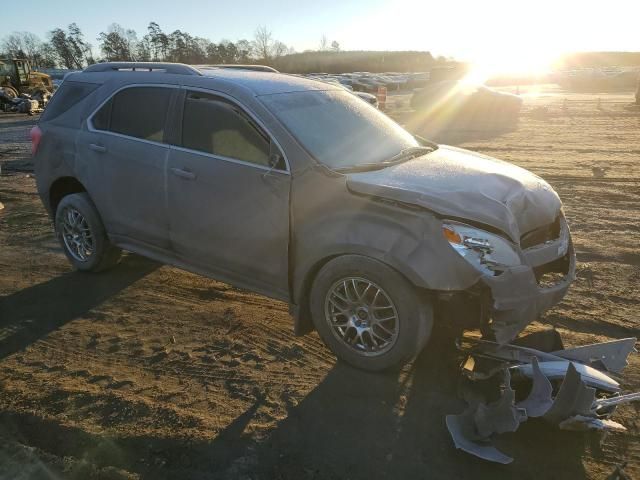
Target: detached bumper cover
520,297
587,396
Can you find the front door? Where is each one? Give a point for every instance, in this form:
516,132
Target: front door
228,196
125,156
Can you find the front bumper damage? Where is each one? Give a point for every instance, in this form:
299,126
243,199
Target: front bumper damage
571,389
521,294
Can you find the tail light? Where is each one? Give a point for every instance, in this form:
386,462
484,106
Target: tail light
36,136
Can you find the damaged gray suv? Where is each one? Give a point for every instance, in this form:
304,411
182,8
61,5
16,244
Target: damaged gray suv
302,192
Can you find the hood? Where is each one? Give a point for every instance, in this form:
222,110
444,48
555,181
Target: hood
458,183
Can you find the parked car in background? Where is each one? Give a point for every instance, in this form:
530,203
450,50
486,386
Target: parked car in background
367,97
295,189
458,105
367,84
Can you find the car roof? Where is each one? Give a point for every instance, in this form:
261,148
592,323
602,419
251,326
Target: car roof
253,82
266,83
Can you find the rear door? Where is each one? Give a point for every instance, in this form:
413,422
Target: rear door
228,195
125,158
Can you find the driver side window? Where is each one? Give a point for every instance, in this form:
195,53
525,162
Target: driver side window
214,125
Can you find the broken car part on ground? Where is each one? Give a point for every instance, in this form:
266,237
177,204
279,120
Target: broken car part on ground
24,103
571,389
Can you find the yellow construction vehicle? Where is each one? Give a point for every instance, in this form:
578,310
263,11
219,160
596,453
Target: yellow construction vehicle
16,77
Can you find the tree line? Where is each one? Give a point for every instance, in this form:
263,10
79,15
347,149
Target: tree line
68,48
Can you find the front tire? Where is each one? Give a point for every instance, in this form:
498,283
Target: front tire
368,314
82,235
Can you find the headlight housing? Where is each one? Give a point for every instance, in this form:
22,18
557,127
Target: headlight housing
489,253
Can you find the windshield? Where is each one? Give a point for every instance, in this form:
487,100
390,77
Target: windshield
5,70
339,129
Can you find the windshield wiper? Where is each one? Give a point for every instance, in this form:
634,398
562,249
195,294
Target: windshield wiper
404,155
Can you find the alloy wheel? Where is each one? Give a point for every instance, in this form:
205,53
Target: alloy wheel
76,234
362,315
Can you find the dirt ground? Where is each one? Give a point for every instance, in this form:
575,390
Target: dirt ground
150,372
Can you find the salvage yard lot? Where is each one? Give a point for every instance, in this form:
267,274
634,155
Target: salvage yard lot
150,372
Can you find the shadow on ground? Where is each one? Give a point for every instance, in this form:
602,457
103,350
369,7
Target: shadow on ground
32,313
352,425
360,426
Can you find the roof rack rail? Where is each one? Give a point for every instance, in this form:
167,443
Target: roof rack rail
177,68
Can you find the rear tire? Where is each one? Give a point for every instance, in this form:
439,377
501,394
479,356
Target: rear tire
382,324
82,235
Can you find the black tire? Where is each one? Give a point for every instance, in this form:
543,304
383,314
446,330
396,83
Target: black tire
10,92
103,254
414,313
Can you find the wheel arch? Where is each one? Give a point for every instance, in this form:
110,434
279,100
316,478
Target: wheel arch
300,304
62,187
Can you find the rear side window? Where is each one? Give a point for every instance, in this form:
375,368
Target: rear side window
213,125
139,112
68,95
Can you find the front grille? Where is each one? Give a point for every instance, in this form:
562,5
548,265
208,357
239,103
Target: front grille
541,235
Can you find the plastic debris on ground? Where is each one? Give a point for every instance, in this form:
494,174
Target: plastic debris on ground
573,389
24,103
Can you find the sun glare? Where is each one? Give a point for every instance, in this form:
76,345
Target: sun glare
516,65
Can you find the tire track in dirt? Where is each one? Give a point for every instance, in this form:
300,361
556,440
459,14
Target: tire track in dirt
614,444
179,368
548,148
242,299
578,179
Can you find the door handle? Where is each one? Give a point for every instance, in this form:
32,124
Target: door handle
186,174
97,148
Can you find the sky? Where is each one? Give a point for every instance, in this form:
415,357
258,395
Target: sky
499,34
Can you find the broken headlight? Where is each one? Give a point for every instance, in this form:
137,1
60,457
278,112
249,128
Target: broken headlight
487,252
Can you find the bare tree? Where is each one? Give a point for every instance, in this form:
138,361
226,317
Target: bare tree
11,45
324,43
335,46
279,49
32,46
263,42
23,45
